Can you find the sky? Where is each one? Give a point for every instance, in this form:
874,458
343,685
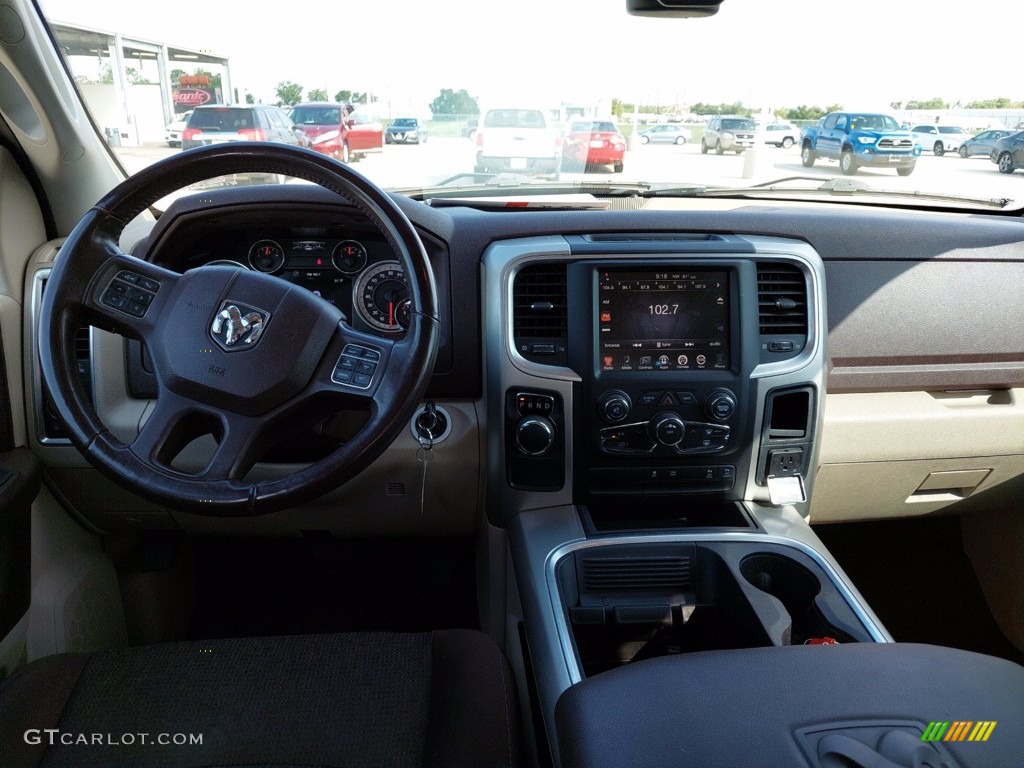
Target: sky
765,53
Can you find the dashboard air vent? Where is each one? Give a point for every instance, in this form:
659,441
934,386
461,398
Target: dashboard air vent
53,429
631,573
83,353
539,312
781,299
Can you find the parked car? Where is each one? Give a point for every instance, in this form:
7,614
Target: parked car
982,143
519,140
587,143
253,122
665,133
338,130
783,135
469,129
406,130
728,133
172,131
940,139
1008,152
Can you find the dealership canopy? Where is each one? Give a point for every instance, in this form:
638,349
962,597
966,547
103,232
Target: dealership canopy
120,50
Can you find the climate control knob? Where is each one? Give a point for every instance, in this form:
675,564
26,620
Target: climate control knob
614,407
720,404
667,428
535,435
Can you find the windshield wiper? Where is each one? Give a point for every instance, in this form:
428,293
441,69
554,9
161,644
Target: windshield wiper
482,184
834,187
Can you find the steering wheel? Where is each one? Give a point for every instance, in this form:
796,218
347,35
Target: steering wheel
239,355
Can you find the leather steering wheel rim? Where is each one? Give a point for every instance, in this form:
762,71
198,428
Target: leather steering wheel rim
79,290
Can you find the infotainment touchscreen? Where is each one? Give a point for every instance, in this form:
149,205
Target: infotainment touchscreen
663,320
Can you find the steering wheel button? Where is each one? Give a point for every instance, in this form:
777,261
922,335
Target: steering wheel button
128,277
121,289
353,350
371,354
140,296
362,380
347,363
114,300
366,368
343,377
149,285
136,309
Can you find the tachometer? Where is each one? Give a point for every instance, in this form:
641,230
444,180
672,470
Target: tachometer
379,295
266,256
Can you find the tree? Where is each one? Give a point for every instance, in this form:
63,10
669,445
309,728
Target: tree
250,99
1000,103
449,102
288,92
131,75
935,103
803,112
317,94
736,108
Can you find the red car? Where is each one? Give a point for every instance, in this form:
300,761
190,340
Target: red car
588,143
339,130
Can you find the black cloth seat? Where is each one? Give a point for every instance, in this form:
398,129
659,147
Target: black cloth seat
445,698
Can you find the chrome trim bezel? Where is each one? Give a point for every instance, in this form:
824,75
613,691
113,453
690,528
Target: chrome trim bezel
38,404
565,632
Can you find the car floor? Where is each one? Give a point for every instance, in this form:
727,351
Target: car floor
258,587
917,578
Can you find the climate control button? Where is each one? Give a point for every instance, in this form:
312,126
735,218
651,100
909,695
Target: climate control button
720,404
614,407
667,428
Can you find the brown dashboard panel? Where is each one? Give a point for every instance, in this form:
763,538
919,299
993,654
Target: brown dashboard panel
925,325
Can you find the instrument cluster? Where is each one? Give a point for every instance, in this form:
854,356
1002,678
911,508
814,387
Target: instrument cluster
355,275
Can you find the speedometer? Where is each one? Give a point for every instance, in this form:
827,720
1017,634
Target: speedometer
380,295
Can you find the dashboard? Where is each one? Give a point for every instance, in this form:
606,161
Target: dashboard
632,361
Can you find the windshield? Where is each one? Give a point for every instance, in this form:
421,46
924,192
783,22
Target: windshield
490,113
738,125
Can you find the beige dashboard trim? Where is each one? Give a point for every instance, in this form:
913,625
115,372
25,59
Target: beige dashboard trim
900,454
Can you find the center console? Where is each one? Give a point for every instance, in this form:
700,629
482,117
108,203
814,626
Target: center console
655,368
651,450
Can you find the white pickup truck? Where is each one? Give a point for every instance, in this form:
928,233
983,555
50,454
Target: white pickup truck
518,140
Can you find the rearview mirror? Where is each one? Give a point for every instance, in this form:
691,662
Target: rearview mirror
673,8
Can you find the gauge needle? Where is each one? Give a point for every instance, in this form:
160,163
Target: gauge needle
391,313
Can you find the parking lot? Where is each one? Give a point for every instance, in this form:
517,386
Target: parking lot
434,162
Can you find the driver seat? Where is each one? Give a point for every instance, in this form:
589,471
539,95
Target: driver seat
444,698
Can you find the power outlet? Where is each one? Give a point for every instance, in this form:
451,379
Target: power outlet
785,462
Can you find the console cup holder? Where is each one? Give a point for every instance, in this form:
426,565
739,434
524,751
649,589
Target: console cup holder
798,589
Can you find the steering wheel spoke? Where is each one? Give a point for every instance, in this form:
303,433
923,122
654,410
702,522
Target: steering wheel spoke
177,421
127,295
355,364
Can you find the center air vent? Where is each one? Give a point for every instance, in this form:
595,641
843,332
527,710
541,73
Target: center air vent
539,313
781,299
